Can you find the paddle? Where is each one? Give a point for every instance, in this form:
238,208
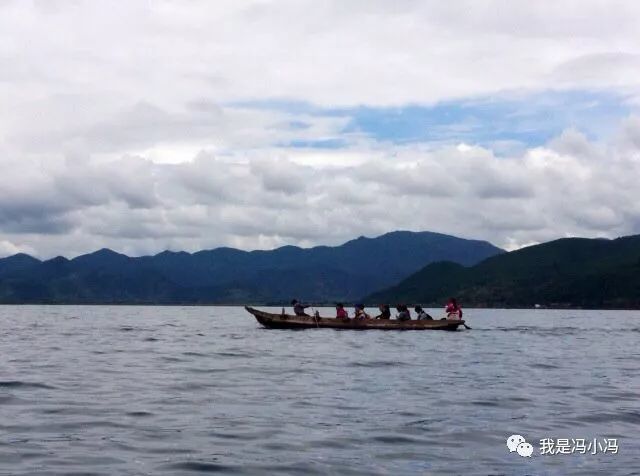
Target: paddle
315,314
466,326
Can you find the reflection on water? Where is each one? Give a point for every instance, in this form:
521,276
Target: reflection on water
170,390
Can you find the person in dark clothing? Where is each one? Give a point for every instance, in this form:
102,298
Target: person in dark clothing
360,312
298,308
385,312
403,313
422,315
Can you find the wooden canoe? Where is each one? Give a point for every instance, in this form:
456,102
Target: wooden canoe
288,321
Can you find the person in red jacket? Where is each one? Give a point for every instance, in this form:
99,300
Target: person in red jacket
341,312
453,310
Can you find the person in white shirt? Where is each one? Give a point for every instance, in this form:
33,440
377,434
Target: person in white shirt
422,315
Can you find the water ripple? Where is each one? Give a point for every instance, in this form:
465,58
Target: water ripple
18,384
152,390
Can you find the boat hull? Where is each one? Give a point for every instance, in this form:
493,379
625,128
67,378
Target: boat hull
287,321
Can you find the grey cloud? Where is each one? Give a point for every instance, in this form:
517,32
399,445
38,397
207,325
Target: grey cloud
490,185
104,107
283,175
33,218
78,123
167,53
631,132
563,189
611,67
597,218
573,142
207,178
129,180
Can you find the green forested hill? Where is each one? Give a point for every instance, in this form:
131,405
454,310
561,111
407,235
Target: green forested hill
571,272
226,275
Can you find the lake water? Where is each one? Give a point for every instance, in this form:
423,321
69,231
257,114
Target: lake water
172,390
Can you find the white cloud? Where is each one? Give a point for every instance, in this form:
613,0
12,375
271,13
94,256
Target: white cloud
166,52
571,187
120,123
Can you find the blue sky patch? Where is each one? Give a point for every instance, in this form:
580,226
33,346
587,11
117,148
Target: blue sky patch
527,119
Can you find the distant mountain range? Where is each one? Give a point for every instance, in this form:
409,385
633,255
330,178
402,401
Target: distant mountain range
226,275
572,272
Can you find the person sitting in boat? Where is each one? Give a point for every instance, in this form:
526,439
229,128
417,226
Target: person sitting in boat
298,308
422,315
453,310
360,314
385,312
403,313
341,312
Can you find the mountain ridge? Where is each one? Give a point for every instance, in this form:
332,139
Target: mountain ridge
228,275
568,272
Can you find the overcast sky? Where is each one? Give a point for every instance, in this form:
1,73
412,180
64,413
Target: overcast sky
151,125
